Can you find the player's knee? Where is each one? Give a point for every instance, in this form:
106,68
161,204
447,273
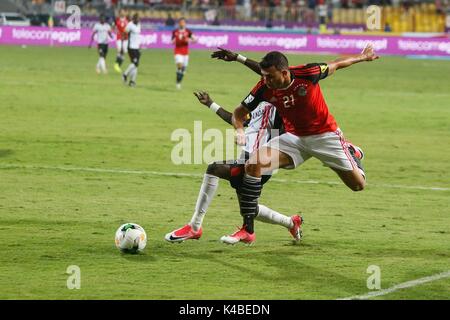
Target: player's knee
358,186
252,168
213,169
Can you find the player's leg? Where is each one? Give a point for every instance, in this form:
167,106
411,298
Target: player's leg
214,172
124,50
284,151
103,60
263,160
341,156
119,56
293,223
131,71
101,53
193,230
184,65
352,179
179,60
130,67
134,72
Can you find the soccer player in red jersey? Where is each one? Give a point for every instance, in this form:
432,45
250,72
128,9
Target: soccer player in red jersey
181,38
310,129
122,39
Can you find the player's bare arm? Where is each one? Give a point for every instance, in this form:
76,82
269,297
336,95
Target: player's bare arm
92,39
227,55
204,98
240,115
368,54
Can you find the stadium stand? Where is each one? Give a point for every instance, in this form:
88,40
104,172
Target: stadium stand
397,15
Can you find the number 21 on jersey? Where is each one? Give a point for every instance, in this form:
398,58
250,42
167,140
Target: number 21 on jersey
289,101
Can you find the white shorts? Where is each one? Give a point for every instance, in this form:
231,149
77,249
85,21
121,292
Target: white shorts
122,45
329,147
182,59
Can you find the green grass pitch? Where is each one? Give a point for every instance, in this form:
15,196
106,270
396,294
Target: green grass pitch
56,113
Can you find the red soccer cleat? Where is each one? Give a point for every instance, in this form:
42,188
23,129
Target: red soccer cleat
296,230
240,235
184,233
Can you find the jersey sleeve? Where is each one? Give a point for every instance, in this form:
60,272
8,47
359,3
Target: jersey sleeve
189,34
254,97
313,72
173,34
128,27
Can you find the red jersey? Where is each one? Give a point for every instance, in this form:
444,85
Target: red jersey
301,105
121,24
181,37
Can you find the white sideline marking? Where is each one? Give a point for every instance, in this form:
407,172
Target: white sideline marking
196,175
404,285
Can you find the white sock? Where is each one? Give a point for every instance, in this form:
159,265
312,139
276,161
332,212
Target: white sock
102,64
133,74
99,64
206,194
268,215
129,69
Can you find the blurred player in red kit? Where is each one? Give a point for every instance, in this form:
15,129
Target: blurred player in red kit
181,37
122,39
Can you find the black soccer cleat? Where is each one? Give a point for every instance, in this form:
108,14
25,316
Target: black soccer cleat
124,78
132,84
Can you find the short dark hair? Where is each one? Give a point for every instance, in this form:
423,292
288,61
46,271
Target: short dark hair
182,19
274,59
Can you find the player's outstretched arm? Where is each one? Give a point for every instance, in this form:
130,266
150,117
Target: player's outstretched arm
368,54
227,55
206,100
240,115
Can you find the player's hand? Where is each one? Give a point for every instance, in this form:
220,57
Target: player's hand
204,98
224,54
369,54
240,137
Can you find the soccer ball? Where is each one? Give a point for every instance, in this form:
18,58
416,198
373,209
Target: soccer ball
131,238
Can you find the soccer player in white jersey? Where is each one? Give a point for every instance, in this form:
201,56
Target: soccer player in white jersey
102,30
264,122
133,29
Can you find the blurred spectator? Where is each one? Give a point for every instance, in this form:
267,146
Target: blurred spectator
216,21
358,4
170,22
322,11
247,8
387,27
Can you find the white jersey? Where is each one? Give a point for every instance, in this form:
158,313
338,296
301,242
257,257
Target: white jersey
134,35
102,30
262,121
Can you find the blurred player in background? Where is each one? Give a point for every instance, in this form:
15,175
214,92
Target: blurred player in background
181,38
122,39
102,30
133,29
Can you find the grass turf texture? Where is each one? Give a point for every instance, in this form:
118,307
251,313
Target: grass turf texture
56,112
